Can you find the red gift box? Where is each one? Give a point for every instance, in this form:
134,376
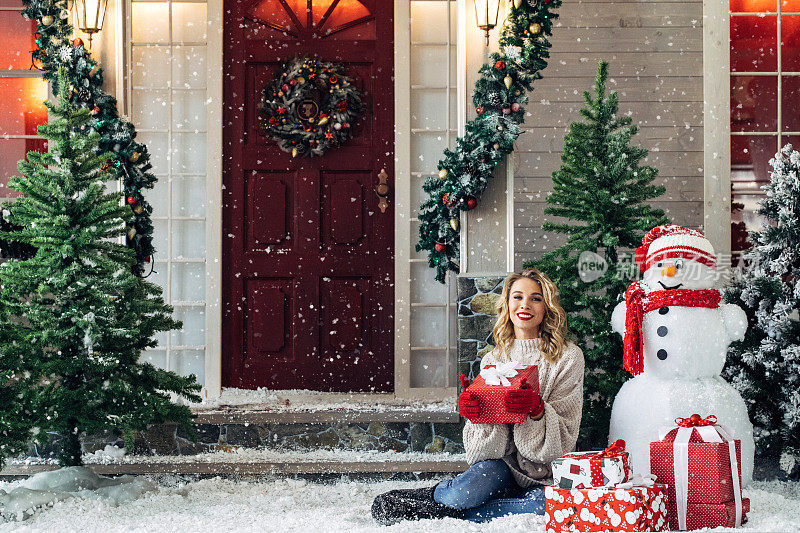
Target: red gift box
700,515
636,508
709,469
701,463
491,397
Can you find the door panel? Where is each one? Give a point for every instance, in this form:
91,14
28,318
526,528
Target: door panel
308,258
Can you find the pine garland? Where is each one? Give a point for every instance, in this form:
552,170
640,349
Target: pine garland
498,97
131,160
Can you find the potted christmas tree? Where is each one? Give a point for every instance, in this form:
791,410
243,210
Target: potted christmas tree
600,194
74,319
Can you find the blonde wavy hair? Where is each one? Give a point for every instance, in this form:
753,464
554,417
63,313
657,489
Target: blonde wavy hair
552,330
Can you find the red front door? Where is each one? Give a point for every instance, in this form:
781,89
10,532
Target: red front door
308,257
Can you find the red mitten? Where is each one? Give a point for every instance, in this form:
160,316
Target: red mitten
524,400
468,405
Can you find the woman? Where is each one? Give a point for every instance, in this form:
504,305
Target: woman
510,463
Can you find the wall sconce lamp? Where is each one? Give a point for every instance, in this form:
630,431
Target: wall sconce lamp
90,15
486,12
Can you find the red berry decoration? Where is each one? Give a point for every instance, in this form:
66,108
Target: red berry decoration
439,247
479,110
500,65
446,199
77,42
293,82
131,200
472,203
285,88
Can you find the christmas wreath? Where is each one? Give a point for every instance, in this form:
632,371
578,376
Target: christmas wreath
498,98
310,107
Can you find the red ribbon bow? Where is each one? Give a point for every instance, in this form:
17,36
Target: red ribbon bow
617,449
696,420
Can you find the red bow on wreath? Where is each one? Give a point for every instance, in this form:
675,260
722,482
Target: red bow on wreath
696,421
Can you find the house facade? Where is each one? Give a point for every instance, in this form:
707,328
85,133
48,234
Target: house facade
286,272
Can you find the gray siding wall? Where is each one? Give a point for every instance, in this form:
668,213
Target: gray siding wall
654,50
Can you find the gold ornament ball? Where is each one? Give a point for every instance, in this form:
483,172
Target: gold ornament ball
47,20
454,224
301,80
134,157
443,174
508,80
517,3
535,28
496,146
517,92
138,209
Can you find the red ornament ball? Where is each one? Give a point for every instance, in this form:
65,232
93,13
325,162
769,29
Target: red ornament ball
77,42
472,203
515,107
479,110
439,247
695,418
131,200
500,65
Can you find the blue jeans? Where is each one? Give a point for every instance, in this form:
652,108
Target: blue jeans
488,490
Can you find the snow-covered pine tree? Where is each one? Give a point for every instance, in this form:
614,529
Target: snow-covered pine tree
765,367
600,194
74,318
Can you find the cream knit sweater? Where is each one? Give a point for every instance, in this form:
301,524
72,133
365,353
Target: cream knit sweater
530,446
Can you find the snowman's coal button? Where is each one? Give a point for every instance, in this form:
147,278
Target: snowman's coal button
662,331
663,310
661,354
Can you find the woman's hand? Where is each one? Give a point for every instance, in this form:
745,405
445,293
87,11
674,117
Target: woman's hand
524,400
468,405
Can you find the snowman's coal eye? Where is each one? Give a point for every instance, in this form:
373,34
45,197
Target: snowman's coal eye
679,264
659,265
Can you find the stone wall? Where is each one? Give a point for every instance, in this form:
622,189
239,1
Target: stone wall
477,296
169,439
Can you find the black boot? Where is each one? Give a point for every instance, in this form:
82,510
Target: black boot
409,504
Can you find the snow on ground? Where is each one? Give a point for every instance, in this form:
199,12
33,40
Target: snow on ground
114,455
282,504
305,400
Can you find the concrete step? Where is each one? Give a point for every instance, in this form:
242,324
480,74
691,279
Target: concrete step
264,462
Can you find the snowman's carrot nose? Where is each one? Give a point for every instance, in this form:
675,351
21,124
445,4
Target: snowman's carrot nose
668,271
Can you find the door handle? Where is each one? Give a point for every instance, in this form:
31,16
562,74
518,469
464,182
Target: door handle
382,190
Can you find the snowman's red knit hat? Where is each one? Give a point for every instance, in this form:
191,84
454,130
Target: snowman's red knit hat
670,242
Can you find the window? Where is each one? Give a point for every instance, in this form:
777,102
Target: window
166,91
22,91
433,128
765,100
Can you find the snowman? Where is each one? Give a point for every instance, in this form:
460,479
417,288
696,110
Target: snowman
676,335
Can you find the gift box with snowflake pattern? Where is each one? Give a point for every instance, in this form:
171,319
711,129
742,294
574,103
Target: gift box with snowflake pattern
642,508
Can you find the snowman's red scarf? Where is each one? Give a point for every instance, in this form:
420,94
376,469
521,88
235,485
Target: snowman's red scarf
637,305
